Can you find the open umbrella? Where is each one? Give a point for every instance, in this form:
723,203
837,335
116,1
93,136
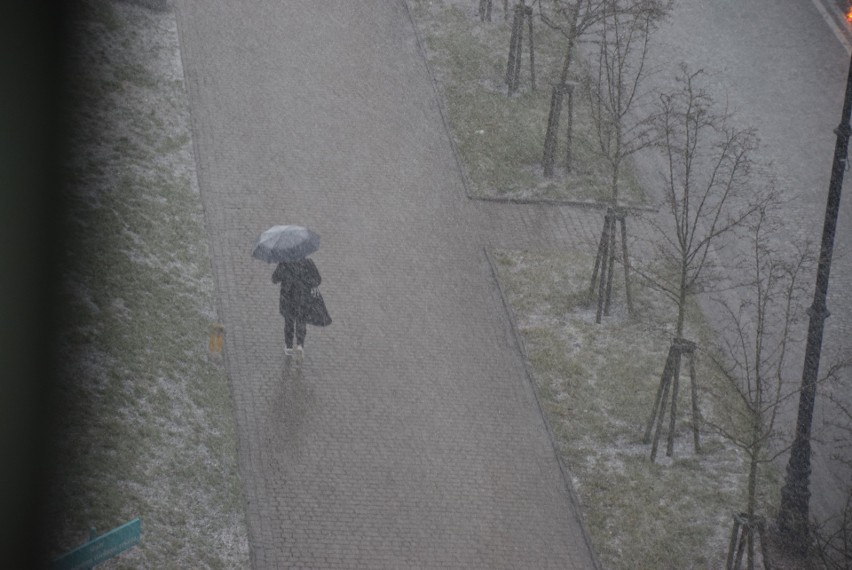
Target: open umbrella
285,243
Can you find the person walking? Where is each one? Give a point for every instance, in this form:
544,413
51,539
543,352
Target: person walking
300,303
299,280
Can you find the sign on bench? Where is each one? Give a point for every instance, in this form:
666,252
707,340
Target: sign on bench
101,548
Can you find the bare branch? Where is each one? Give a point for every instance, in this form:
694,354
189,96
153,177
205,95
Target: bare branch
622,37
754,364
706,177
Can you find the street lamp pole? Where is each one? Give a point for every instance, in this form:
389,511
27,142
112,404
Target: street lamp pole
793,515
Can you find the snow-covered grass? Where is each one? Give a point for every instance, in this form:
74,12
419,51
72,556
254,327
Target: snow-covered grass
500,139
597,384
147,428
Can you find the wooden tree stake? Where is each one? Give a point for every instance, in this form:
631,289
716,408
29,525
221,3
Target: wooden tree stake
513,68
485,10
671,380
569,134
528,11
743,531
605,261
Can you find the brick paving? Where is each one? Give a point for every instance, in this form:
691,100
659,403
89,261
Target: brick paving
410,437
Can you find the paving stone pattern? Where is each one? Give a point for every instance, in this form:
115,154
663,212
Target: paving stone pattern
410,436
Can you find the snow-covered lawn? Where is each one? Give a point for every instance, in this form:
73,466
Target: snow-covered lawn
597,384
500,139
147,428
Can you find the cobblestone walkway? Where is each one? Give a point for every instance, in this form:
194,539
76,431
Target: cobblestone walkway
410,436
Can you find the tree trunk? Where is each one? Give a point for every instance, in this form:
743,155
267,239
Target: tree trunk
616,167
754,455
552,133
572,36
614,181
569,55
681,302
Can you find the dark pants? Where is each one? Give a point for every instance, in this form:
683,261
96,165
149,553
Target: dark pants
301,329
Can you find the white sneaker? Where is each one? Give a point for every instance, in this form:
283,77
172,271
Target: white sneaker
288,351
300,352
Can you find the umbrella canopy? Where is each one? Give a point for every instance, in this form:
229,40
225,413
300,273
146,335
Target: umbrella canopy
285,243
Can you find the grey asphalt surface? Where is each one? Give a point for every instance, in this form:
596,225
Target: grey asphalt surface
779,67
410,436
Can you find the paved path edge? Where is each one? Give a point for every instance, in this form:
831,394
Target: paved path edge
224,362
563,469
439,100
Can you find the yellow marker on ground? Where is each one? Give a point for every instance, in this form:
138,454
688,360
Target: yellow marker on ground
217,337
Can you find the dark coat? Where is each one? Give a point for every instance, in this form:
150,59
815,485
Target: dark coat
297,278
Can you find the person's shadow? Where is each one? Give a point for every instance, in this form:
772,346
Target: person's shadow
292,401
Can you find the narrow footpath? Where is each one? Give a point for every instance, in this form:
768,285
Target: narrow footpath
410,436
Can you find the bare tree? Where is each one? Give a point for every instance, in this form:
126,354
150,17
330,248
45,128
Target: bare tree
753,359
708,193
619,71
573,19
523,13
708,184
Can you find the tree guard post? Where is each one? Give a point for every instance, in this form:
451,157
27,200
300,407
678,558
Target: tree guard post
664,384
696,417
671,380
658,400
528,11
673,415
605,261
600,255
601,290
569,134
602,263
732,546
513,68
552,128
485,10
621,215
514,64
743,532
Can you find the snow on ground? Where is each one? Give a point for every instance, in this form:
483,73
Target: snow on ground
148,428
